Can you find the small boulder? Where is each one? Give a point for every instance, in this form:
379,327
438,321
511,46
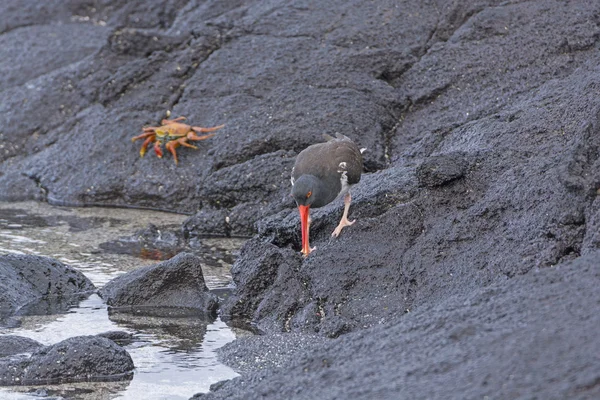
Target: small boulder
176,284
25,280
77,359
12,344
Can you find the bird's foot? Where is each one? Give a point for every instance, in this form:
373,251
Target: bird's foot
310,250
343,223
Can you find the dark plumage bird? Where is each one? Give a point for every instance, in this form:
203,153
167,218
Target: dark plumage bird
322,173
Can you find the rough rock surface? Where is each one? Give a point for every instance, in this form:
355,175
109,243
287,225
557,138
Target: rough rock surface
80,358
482,124
175,284
28,281
11,345
527,337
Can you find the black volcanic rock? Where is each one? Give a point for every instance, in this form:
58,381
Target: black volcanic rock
32,282
11,345
531,336
262,268
176,285
80,358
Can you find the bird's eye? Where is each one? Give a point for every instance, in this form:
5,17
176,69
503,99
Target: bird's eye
308,194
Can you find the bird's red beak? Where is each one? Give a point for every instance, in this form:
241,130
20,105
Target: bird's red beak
304,210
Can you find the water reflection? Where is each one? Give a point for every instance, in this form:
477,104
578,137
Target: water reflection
174,357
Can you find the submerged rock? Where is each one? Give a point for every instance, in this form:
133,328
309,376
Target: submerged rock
149,243
77,359
174,287
121,338
187,332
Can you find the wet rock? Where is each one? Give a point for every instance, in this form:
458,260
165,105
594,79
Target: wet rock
175,286
216,221
32,283
11,345
22,188
80,358
238,194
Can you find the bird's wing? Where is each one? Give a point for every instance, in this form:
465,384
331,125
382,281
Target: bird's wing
349,160
343,155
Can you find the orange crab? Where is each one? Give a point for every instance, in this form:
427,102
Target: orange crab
172,134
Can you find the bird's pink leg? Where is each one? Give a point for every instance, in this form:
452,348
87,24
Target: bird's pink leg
344,221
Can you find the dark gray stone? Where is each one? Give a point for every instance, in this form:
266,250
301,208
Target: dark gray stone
532,336
38,284
11,345
80,358
175,286
261,268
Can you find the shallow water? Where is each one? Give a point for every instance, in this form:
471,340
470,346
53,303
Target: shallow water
174,357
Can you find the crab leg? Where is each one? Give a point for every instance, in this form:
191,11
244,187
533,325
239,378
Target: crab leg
193,136
173,145
157,149
183,141
200,129
142,136
145,145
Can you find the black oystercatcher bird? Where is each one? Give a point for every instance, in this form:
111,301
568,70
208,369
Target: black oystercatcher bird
322,173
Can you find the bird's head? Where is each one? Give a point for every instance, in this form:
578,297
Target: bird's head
305,190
